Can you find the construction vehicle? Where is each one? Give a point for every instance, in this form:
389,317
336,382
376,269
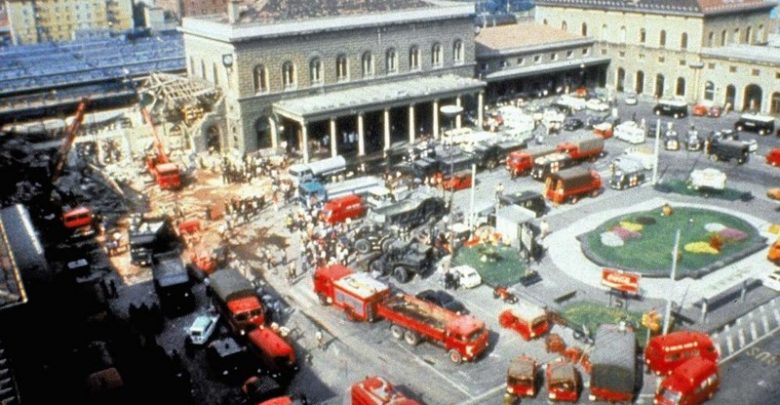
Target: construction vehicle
521,377
666,352
520,162
527,320
377,391
403,260
372,237
563,381
274,352
692,383
172,283
409,213
165,173
570,184
236,299
613,364
363,298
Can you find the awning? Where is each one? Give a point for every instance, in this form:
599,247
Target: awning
525,71
376,97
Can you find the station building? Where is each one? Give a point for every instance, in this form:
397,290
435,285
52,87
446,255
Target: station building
322,80
711,50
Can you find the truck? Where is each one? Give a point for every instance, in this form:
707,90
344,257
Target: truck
148,236
166,173
530,200
672,107
415,210
403,260
274,352
520,162
312,192
725,150
563,381
762,124
236,299
490,154
666,352
553,163
79,222
626,173
172,283
588,148
376,390
340,209
630,132
691,383
317,171
603,129
613,364
527,320
521,377
571,184
366,299
709,178
454,171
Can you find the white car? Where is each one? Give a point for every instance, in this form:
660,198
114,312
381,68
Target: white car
630,99
595,104
630,132
201,329
710,178
467,276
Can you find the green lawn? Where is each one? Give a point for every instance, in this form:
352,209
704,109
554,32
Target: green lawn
591,315
651,253
682,187
506,270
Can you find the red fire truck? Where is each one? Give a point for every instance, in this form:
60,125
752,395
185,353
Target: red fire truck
235,297
527,320
339,209
521,161
377,391
664,353
521,377
366,299
571,184
588,148
691,383
276,354
563,381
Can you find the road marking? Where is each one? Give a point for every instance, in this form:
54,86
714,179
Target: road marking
762,308
717,348
753,343
741,337
439,373
776,314
730,343
765,322
481,397
753,331
726,327
750,315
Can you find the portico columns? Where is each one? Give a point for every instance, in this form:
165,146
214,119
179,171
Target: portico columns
274,133
305,141
386,124
333,148
458,121
361,141
480,108
411,123
436,119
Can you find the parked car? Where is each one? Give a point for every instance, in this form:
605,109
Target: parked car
572,124
596,104
467,276
773,193
671,140
443,299
715,111
671,107
762,124
630,132
693,141
630,99
201,329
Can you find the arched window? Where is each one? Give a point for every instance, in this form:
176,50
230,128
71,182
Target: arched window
436,54
710,39
774,107
564,26
680,91
584,29
709,91
760,34
457,51
203,69
642,36
391,62
749,35
261,79
620,79
639,86
215,74
544,22
604,32
414,58
622,34
367,64
659,85
315,70
684,40
342,67
288,75
736,38
662,39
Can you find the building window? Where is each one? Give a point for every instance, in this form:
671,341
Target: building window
684,40
760,33
457,51
733,69
367,62
603,51
622,34
261,79
553,56
391,64
604,32
203,69
710,38
504,64
682,62
342,67
288,75
315,70
485,67
710,66
584,29
749,35
215,74
543,22
777,75
641,56
537,58
622,54
661,59
414,58
680,86
662,39
436,54
709,91
736,38
756,72
569,54
585,51
642,36
520,61
564,26
723,37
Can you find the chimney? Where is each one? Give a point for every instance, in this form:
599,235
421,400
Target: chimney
234,11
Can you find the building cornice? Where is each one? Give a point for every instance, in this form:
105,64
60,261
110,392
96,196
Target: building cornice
484,52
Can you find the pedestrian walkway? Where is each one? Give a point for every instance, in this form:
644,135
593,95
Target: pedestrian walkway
568,258
749,328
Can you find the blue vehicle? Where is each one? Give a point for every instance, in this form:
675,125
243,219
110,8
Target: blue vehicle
313,192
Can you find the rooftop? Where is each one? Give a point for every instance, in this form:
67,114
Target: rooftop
747,53
684,7
268,11
522,35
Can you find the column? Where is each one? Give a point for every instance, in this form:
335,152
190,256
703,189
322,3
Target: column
386,123
361,134
274,134
411,124
333,142
458,120
305,142
480,108
436,119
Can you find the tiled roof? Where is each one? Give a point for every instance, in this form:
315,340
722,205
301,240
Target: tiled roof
697,7
284,10
520,35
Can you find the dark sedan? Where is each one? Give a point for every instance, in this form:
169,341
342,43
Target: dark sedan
572,124
443,299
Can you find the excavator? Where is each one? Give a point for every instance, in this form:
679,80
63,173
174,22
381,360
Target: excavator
166,174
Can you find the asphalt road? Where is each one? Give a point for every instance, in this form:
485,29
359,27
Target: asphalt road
752,376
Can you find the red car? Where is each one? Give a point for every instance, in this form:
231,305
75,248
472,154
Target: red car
715,111
702,110
773,157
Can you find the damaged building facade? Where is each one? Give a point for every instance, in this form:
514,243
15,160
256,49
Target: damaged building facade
350,81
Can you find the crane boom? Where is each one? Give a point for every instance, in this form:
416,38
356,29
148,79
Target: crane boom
161,156
70,136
